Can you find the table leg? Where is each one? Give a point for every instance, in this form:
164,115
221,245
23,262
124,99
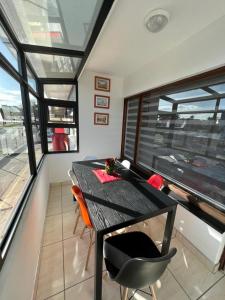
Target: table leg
168,231
98,265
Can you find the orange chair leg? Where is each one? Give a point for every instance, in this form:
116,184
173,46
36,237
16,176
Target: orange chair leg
76,222
89,248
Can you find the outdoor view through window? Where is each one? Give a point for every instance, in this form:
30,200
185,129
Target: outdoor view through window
182,135
14,162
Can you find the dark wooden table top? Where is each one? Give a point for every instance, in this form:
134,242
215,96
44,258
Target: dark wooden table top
120,203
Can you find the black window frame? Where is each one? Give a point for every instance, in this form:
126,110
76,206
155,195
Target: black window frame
46,102
21,77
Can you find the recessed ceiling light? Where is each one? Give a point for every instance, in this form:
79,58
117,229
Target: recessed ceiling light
156,20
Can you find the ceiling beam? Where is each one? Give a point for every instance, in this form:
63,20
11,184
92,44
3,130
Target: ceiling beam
52,50
57,80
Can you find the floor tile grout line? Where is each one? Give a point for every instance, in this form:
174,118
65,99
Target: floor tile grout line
49,298
211,287
72,237
179,283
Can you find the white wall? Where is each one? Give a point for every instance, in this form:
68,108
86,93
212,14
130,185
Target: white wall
17,277
100,141
201,52
203,237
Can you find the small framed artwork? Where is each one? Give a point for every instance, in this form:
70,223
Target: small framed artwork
102,84
102,101
101,119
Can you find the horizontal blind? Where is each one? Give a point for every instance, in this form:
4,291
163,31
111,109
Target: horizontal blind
131,124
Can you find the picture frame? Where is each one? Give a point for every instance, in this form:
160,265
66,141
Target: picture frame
101,101
101,119
102,84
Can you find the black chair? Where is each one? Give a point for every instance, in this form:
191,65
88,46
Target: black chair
133,260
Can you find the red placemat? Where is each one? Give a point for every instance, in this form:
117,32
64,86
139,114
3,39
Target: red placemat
103,177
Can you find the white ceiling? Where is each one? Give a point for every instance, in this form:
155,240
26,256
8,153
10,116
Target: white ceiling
125,45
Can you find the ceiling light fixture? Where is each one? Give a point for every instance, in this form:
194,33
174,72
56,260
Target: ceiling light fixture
156,20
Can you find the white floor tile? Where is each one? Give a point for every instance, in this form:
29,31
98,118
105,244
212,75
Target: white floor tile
52,230
85,290
51,278
192,275
75,253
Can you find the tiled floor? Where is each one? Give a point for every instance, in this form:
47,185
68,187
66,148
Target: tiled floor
62,275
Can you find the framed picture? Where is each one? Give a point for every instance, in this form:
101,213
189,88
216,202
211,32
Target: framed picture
102,101
102,84
101,119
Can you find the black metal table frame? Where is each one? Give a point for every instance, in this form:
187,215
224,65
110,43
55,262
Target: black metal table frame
99,238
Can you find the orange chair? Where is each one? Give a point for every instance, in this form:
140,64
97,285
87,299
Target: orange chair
83,212
156,181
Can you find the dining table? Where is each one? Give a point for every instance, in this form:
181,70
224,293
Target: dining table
118,204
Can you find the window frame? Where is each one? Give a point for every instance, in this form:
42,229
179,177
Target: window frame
21,78
203,80
46,102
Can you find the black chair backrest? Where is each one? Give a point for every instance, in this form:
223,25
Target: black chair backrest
139,272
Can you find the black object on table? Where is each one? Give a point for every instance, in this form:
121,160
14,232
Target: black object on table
118,204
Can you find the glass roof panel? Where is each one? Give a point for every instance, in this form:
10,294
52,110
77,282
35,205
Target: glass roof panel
54,66
189,94
53,23
219,88
197,105
60,91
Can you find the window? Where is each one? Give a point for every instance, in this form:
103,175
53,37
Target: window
31,79
51,23
14,162
7,49
61,117
132,112
62,139
182,136
54,66
58,114
60,91
35,127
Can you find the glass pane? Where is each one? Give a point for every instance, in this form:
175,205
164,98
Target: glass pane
132,113
31,79
60,91
195,106
7,49
56,23
165,105
222,104
35,127
62,139
54,66
189,94
184,147
14,162
57,114
219,88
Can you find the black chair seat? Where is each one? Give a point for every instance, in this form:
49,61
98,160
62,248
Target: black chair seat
123,247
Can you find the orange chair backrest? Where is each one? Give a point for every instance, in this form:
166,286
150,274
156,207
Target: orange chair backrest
82,204
156,181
